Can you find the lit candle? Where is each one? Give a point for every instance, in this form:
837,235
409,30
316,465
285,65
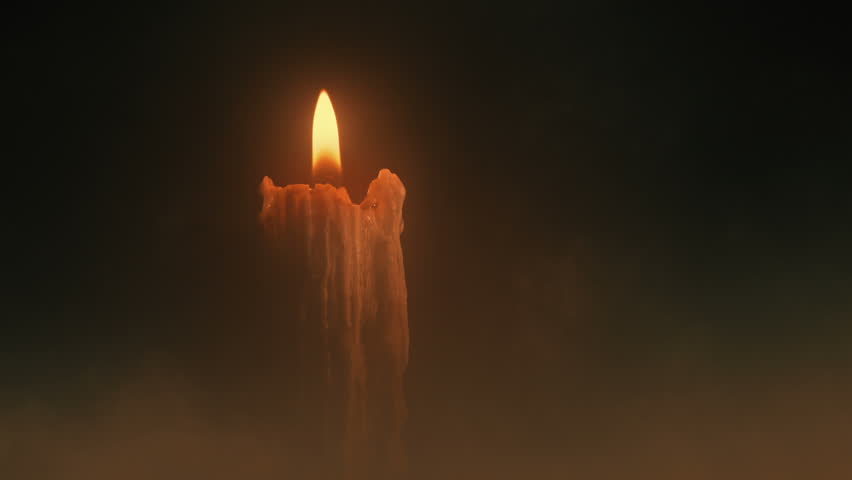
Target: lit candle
353,313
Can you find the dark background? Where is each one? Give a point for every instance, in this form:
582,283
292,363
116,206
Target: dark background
627,234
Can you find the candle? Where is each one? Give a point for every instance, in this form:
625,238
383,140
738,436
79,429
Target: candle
353,314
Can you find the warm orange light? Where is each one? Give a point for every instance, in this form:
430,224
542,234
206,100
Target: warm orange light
326,143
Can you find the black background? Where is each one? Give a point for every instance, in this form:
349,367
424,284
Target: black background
627,232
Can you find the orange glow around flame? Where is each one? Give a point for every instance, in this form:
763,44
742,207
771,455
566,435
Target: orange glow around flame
326,143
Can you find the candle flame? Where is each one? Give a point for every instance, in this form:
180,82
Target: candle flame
326,143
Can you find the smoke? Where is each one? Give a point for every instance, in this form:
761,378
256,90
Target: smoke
542,375
155,426
676,421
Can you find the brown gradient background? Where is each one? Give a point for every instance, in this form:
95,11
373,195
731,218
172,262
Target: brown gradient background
627,236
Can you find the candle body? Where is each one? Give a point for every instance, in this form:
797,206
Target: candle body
352,316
